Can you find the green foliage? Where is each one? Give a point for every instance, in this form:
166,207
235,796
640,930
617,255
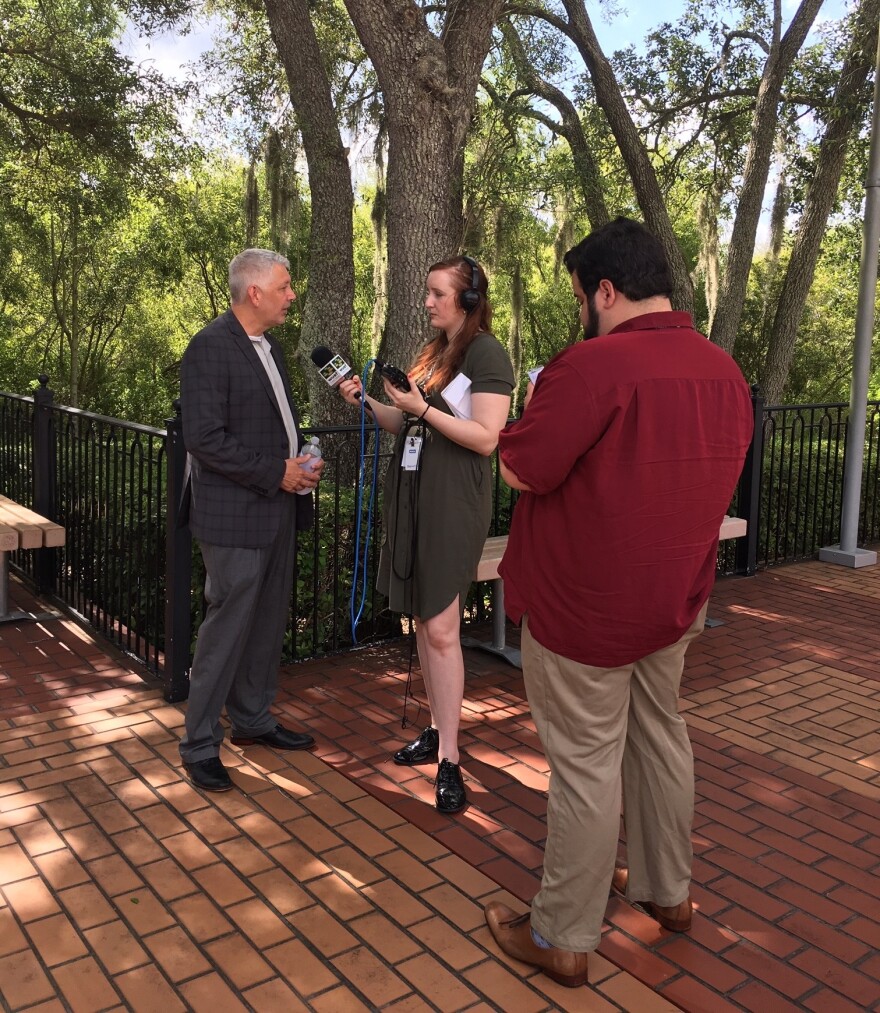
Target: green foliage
60,75
116,232
801,483
822,369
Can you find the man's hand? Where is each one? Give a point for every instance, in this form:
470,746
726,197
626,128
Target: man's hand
296,477
530,389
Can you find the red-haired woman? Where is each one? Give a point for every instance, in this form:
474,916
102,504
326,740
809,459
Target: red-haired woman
438,495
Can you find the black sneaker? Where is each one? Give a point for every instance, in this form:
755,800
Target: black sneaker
451,796
209,775
422,750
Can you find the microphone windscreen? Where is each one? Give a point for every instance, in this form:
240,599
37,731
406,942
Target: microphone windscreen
333,368
321,355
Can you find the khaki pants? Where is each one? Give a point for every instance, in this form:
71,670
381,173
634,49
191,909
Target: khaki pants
603,730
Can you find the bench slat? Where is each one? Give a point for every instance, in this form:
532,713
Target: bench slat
733,527
8,539
493,550
53,535
34,530
29,535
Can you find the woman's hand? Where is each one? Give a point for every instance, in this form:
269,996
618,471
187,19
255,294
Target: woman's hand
352,390
386,416
410,401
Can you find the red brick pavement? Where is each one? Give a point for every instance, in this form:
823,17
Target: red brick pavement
783,705
122,887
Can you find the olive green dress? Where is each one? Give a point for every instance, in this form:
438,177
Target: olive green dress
444,508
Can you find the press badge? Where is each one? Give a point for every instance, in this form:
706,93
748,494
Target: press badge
412,450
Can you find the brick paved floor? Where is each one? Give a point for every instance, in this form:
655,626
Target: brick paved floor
330,883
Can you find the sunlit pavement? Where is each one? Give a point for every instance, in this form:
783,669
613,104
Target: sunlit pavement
329,882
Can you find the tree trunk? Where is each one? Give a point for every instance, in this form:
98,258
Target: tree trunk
763,134
848,107
379,218
326,318
251,205
632,150
75,323
570,127
514,334
778,215
428,86
64,252
709,258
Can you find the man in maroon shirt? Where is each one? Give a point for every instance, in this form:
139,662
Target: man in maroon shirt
627,455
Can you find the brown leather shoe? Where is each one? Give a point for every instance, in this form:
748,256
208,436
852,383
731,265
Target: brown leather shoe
675,919
513,933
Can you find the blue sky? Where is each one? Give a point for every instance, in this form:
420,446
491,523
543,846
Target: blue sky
169,52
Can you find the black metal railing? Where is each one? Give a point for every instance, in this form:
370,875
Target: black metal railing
110,495
128,567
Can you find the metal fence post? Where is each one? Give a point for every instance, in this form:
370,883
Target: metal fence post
44,478
749,493
178,567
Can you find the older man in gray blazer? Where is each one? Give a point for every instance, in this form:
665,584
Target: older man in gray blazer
242,433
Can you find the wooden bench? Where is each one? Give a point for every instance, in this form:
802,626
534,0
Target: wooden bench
21,528
487,569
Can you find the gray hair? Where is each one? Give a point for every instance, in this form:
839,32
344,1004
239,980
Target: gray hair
250,267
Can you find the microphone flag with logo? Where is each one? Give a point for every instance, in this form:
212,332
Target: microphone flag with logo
333,368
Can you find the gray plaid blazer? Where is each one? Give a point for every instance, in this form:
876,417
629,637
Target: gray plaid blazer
234,431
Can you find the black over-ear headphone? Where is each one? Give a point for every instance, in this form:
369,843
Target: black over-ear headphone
469,299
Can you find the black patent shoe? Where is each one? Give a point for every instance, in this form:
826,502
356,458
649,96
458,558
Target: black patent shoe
451,796
422,750
209,775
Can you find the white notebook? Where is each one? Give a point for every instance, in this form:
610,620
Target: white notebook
457,394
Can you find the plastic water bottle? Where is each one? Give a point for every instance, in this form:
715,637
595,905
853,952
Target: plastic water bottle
313,449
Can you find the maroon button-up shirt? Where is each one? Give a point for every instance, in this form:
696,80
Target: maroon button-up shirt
632,444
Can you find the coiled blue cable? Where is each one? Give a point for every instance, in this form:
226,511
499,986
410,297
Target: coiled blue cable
356,610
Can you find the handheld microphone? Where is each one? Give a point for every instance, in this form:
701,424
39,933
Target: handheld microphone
333,368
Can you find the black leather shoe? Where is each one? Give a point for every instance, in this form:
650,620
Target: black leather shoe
279,738
422,750
451,796
209,775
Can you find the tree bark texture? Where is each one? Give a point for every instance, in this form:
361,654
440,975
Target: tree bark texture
251,205
757,167
329,300
848,106
428,86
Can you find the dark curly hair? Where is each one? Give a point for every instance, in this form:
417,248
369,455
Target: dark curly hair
626,254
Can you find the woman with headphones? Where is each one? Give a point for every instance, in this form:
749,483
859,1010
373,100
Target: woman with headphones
438,495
